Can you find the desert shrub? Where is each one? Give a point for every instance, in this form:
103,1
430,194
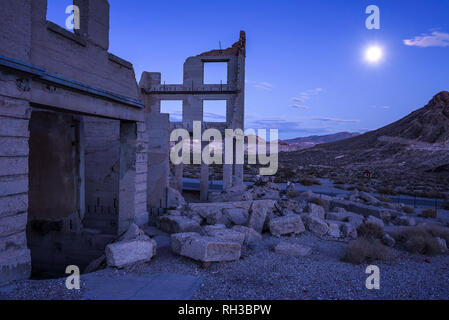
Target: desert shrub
438,231
318,201
370,231
308,181
422,244
445,205
408,209
421,239
293,194
363,188
429,213
384,199
368,250
389,191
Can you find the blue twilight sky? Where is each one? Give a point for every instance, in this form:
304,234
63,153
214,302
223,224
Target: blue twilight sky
305,67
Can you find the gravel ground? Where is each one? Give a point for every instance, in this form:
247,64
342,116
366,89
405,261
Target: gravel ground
263,274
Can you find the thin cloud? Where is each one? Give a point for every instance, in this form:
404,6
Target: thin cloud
435,39
306,95
338,120
298,106
381,107
263,85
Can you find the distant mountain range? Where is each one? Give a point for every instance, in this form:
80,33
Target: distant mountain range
311,141
418,141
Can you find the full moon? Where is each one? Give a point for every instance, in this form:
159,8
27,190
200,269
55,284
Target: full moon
373,54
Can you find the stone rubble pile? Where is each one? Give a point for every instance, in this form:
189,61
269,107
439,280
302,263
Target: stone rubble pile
218,231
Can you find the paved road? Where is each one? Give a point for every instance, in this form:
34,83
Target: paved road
326,188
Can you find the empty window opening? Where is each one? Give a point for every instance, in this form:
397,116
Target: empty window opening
215,73
56,13
214,110
173,108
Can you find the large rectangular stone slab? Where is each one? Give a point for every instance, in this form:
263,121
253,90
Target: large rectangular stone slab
205,249
124,253
291,224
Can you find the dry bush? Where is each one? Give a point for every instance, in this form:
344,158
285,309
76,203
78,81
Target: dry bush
363,188
386,190
384,199
429,213
308,181
370,231
318,201
421,239
408,209
293,194
368,250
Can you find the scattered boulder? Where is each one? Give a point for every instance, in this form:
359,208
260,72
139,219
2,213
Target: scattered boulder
315,225
174,199
177,224
237,216
133,232
123,253
205,249
376,221
405,221
368,198
388,240
334,229
442,244
353,218
296,250
227,235
315,210
251,235
286,225
237,193
257,217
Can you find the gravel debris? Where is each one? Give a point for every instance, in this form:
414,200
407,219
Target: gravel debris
263,274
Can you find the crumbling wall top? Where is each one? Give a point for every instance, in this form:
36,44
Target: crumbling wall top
237,48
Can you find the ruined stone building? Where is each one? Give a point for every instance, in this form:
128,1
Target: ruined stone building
84,151
193,92
73,140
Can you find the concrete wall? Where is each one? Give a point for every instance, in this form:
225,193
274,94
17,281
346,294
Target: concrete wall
102,137
15,259
44,67
193,92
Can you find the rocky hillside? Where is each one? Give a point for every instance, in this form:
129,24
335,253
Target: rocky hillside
411,149
314,140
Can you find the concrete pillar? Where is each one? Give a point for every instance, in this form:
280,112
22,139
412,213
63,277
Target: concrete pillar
238,175
179,171
227,176
227,172
204,182
127,182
